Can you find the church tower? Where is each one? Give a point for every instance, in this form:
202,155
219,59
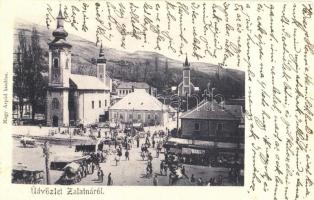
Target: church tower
59,74
101,65
186,78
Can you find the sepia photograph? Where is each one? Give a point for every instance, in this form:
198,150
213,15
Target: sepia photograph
87,113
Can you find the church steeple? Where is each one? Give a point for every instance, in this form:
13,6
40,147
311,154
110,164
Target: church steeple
186,64
60,33
101,52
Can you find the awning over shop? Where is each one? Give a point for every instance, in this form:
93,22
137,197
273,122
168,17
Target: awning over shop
200,144
192,151
137,125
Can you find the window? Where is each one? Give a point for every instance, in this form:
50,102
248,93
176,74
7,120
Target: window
130,116
139,116
55,103
55,63
197,126
219,127
156,116
92,104
148,116
99,104
121,116
106,103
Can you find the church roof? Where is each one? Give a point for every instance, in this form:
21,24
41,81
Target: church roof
138,100
226,112
84,82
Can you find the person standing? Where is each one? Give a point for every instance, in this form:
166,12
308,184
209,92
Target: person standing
117,158
109,181
161,167
93,167
127,155
153,142
192,179
155,180
101,176
138,141
183,171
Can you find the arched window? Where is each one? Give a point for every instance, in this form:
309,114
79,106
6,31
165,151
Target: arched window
55,103
55,63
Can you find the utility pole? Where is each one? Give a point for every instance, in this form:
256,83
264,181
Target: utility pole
178,111
46,155
69,131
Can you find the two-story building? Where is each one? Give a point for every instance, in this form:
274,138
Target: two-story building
124,88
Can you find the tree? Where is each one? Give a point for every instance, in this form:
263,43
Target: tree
19,86
36,83
28,80
147,63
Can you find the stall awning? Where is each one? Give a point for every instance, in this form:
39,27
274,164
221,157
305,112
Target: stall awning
137,125
201,144
192,151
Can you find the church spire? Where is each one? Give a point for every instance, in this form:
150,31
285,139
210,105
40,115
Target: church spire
101,51
60,18
60,33
186,63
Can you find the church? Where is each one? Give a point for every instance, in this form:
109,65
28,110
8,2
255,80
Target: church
186,87
74,99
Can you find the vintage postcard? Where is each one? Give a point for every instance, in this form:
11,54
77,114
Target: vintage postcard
182,99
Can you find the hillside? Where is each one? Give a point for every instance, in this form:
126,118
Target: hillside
133,66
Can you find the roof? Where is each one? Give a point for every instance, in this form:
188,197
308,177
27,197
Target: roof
138,100
129,85
226,112
84,82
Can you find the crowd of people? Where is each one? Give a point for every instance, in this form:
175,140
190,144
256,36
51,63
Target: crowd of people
171,166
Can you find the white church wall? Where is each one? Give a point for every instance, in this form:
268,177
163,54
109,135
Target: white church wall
88,114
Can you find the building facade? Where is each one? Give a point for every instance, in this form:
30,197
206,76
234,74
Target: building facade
73,98
213,122
139,107
124,88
